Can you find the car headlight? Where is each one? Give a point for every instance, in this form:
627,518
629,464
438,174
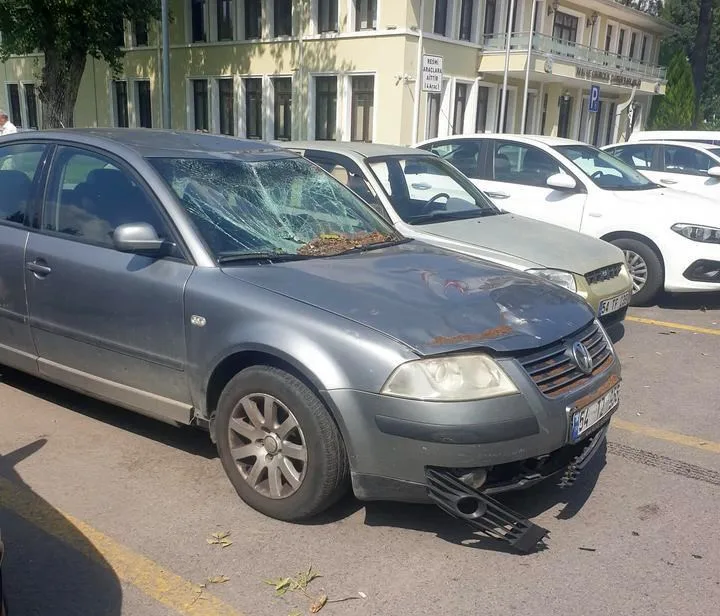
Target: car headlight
448,379
698,233
566,280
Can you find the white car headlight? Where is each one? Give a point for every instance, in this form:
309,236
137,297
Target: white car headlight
449,379
566,280
698,233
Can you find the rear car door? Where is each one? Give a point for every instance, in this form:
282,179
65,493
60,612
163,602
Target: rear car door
687,169
104,321
20,171
515,178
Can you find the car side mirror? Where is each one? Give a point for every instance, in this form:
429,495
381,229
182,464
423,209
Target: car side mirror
138,237
714,172
561,181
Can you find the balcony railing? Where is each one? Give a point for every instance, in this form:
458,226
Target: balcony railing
544,44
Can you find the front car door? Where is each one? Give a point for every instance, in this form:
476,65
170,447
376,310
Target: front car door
645,157
104,321
686,169
20,171
515,177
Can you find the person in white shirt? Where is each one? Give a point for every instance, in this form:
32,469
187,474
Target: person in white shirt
6,126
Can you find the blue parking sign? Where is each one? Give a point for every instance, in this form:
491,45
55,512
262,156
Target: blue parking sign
594,105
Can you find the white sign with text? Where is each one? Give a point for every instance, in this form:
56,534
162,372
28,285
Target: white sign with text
432,73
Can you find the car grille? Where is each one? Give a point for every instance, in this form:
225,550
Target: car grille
603,274
554,370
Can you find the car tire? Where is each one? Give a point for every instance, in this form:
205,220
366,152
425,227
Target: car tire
642,261
267,421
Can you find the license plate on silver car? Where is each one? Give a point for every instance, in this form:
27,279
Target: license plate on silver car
585,418
614,304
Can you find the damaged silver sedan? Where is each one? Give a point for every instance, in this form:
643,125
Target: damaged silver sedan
235,286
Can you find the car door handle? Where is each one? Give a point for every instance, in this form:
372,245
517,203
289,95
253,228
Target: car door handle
666,181
498,195
39,268
421,186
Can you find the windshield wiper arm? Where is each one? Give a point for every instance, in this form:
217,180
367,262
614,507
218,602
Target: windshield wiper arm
374,246
239,257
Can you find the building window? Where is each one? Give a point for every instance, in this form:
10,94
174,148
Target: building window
200,105
225,20
564,116
121,104
282,18
140,33
118,34
565,27
253,108
363,106
198,20
441,14
283,108
461,91
226,103
621,42
253,19
596,126
543,119
490,12
31,104
325,108
365,14
144,103
434,102
610,133
530,114
608,38
643,48
466,19
633,40
327,15
482,110
13,90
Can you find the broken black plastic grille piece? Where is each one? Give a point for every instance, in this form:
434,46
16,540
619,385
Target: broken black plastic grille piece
482,512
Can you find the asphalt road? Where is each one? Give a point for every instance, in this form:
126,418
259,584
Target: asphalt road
107,513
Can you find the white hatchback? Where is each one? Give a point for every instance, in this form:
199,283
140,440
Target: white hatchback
691,167
671,239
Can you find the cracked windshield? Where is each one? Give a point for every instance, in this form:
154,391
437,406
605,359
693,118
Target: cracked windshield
423,189
274,209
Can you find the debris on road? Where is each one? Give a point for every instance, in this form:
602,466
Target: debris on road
220,539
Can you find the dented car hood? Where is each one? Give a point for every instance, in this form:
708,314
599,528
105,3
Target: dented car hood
430,300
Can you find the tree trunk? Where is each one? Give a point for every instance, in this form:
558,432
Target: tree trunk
61,78
700,54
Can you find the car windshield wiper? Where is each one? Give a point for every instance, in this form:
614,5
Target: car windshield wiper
275,257
395,241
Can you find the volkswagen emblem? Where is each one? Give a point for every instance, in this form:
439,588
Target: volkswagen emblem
582,357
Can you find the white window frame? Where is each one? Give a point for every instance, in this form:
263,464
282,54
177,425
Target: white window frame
134,102
475,30
269,25
339,106
582,20
190,102
113,101
473,104
450,19
315,20
271,103
242,108
469,116
352,25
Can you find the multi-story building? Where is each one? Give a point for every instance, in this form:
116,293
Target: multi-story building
347,69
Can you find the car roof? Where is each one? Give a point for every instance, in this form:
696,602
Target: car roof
357,148
151,143
687,144
529,139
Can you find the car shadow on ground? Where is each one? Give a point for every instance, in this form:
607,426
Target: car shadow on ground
50,567
689,301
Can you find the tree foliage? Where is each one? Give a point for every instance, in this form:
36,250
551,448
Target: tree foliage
66,32
675,110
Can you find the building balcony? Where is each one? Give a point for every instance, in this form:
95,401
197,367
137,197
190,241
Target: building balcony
597,61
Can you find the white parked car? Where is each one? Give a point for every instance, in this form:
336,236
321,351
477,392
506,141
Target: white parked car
671,239
711,137
691,167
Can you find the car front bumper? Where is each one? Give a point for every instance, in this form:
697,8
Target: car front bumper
516,440
690,266
595,294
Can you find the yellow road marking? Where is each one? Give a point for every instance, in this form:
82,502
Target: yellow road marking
165,587
667,435
668,324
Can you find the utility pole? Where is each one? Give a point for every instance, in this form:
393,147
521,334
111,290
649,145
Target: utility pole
527,66
418,76
165,26
503,100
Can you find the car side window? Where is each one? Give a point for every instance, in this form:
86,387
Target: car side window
89,196
463,154
638,156
19,165
347,174
519,163
686,161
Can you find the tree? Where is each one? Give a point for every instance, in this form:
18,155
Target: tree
67,32
699,58
676,109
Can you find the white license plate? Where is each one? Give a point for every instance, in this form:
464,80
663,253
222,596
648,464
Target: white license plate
585,418
614,303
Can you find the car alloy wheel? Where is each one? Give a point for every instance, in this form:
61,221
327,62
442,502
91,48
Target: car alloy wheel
638,270
268,446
